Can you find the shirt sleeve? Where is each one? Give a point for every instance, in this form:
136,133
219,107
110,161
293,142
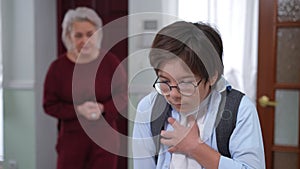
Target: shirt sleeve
246,143
53,104
143,147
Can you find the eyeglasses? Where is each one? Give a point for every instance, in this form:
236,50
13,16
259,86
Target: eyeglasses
184,88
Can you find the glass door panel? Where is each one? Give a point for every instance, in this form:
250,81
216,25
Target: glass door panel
288,55
287,118
285,160
288,10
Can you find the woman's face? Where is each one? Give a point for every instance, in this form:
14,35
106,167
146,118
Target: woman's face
82,37
174,72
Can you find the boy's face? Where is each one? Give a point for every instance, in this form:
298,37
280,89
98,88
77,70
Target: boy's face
175,71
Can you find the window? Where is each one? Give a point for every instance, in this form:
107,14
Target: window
237,21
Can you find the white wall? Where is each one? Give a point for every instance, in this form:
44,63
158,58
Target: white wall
29,45
18,69
141,75
1,92
140,38
45,49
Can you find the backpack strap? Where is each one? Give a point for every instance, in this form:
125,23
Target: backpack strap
160,112
228,120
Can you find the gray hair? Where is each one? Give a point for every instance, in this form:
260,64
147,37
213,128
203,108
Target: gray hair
80,14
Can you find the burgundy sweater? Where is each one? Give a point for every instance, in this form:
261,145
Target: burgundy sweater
68,84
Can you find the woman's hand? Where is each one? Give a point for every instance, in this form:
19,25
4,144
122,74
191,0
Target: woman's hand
182,139
90,110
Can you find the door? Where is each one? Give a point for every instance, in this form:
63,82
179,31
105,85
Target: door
278,89
109,11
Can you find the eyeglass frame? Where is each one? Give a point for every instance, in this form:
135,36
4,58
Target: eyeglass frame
176,86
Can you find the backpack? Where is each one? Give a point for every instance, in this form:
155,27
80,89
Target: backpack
162,110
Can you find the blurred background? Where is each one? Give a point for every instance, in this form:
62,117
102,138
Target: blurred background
261,58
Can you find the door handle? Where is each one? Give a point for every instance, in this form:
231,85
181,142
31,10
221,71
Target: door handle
264,101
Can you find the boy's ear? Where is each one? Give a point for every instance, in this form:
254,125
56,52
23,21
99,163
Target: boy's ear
213,79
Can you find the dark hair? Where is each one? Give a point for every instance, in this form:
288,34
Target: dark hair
197,44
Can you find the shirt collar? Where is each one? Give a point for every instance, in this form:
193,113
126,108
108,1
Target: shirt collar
222,84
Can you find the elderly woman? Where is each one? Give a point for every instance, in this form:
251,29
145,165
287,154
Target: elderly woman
80,91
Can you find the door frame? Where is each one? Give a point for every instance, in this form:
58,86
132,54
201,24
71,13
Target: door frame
266,54
266,78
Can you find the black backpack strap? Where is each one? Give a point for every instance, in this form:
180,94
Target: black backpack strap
160,112
228,120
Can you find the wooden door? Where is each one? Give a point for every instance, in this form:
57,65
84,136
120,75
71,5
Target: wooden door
109,11
278,89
